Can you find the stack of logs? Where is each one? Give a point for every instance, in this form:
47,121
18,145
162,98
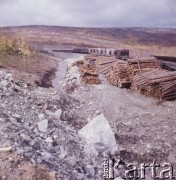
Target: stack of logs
157,83
89,74
104,64
136,66
144,75
122,72
119,76
90,60
88,71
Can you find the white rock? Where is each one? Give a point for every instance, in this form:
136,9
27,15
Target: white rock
57,114
98,134
41,116
46,155
43,126
49,140
25,137
55,136
97,112
88,119
3,105
17,116
63,153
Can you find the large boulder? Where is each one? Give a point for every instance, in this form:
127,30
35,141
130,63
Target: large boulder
98,135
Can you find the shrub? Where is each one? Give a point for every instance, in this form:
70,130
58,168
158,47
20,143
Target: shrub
13,46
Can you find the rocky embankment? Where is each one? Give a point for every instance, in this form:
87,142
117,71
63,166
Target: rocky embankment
36,127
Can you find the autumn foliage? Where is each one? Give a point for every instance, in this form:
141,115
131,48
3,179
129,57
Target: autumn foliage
13,46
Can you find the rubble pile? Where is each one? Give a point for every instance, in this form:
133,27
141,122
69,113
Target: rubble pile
36,127
72,77
157,83
118,75
136,66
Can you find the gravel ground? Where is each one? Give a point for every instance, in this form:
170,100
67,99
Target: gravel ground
40,127
145,128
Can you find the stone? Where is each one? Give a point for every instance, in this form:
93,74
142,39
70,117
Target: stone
97,112
13,121
43,126
172,158
2,120
55,136
98,134
52,175
3,105
63,153
46,155
88,119
80,176
49,140
11,159
57,114
25,137
90,170
41,116
114,150
18,116
4,177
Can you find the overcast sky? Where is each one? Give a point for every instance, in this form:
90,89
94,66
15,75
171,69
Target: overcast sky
89,13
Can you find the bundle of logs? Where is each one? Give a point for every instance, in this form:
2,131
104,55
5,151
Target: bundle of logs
142,75
90,60
89,74
157,83
104,64
122,72
118,75
136,66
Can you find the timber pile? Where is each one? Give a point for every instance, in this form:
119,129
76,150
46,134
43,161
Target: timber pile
157,83
90,60
78,63
119,76
104,64
136,66
89,75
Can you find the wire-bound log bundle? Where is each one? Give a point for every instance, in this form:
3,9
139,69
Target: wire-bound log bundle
136,66
157,83
119,76
90,60
104,64
89,75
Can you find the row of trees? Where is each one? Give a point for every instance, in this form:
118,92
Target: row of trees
13,46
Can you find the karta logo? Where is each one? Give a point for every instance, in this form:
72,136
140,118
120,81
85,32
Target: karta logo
115,167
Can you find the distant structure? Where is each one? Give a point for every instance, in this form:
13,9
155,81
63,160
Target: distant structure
122,54
118,53
167,61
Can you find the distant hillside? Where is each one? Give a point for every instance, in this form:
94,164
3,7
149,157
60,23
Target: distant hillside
104,37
